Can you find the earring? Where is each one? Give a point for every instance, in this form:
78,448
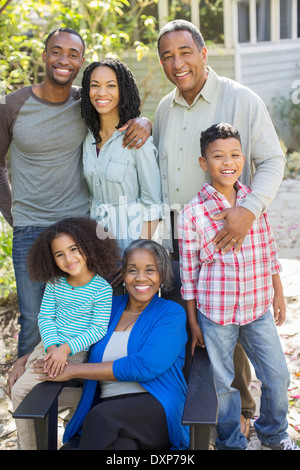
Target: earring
159,290
124,288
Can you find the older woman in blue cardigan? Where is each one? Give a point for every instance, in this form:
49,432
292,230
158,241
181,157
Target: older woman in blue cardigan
134,391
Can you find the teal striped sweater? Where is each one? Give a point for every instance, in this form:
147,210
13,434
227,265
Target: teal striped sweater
78,316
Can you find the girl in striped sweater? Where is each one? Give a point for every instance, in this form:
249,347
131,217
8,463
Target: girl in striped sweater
73,262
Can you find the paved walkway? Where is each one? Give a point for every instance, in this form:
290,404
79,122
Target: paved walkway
284,214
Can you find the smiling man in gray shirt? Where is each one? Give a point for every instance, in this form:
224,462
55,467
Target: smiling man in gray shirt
202,98
42,127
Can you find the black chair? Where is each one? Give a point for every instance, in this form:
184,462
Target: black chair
201,405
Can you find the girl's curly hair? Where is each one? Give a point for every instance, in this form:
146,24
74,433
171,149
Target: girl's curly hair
129,104
102,255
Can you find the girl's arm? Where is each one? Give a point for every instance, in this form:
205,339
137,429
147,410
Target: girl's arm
46,318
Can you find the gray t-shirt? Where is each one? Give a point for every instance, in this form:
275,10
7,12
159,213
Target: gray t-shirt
45,141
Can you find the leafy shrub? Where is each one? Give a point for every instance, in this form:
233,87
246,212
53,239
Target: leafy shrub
7,276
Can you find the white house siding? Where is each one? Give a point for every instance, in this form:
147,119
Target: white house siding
273,72
270,72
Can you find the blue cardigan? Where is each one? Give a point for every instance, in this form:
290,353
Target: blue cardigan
156,351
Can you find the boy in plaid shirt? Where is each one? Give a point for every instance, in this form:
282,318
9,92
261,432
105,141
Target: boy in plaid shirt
229,295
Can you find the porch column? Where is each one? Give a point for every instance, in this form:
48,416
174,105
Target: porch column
195,14
163,13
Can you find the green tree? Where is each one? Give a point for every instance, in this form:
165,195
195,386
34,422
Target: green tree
109,28
211,17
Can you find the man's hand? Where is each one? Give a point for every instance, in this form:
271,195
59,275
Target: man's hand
16,372
238,221
138,131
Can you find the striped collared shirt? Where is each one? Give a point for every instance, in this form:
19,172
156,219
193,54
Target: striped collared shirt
230,288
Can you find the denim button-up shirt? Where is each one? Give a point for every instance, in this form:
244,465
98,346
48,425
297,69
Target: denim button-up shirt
124,185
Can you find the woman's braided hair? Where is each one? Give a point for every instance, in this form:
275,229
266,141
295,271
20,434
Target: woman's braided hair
129,104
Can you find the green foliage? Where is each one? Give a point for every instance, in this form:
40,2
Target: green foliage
108,27
211,21
7,277
211,17
288,110
292,166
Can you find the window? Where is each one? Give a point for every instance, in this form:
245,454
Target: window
258,20
263,20
298,18
285,19
244,21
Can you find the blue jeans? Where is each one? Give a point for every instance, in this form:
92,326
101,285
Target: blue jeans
29,293
262,345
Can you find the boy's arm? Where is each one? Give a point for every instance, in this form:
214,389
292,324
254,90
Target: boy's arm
196,333
278,301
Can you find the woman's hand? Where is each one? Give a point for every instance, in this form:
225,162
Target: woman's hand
138,130
38,369
78,370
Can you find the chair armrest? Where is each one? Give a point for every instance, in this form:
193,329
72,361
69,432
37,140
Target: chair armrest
38,401
201,405
41,405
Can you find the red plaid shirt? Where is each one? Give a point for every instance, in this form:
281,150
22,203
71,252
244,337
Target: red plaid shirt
230,288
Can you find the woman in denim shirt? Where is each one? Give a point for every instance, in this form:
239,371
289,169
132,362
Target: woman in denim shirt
124,184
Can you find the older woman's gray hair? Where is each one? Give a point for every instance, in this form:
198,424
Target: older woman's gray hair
164,264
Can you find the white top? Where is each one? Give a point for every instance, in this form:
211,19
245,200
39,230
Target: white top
124,186
115,349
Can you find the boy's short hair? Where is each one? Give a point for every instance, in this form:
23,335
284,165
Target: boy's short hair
223,130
